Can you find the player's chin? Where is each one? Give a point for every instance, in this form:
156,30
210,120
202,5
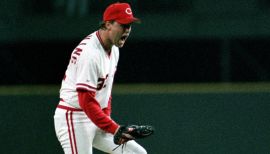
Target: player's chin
120,44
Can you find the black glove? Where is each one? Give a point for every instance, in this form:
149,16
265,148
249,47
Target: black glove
131,132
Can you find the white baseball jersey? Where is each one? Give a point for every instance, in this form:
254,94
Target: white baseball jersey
90,68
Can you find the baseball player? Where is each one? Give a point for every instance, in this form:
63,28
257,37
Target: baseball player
82,118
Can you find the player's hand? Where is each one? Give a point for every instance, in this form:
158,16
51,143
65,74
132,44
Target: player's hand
121,136
131,132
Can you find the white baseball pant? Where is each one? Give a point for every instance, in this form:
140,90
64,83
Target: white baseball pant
77,134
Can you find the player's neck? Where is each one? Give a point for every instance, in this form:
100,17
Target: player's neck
107,45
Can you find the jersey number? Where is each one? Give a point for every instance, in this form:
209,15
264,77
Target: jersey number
101,82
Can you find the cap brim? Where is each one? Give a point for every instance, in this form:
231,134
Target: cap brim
129,20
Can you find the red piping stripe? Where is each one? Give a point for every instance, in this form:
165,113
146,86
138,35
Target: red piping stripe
102,44
85,89
74,139
100,40
85,85
69,133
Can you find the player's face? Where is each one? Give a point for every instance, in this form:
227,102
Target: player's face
119,33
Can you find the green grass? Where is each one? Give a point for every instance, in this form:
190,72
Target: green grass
146,88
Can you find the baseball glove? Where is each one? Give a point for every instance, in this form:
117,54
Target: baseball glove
132,132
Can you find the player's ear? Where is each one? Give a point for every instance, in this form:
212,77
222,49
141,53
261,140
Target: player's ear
108,24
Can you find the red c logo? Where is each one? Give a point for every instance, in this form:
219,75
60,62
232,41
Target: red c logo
128,11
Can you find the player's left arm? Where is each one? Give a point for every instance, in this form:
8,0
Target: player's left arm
108,109
94,112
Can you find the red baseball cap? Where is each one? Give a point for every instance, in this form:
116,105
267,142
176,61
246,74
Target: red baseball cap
120,12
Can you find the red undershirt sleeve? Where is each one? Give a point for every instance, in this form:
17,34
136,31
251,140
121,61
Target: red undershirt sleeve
94,112
108,110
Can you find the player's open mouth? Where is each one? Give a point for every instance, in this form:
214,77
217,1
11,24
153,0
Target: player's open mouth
123,38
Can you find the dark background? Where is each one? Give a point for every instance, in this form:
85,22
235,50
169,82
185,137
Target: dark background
177,41
186,123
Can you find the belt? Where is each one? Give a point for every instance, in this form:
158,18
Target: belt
67,107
